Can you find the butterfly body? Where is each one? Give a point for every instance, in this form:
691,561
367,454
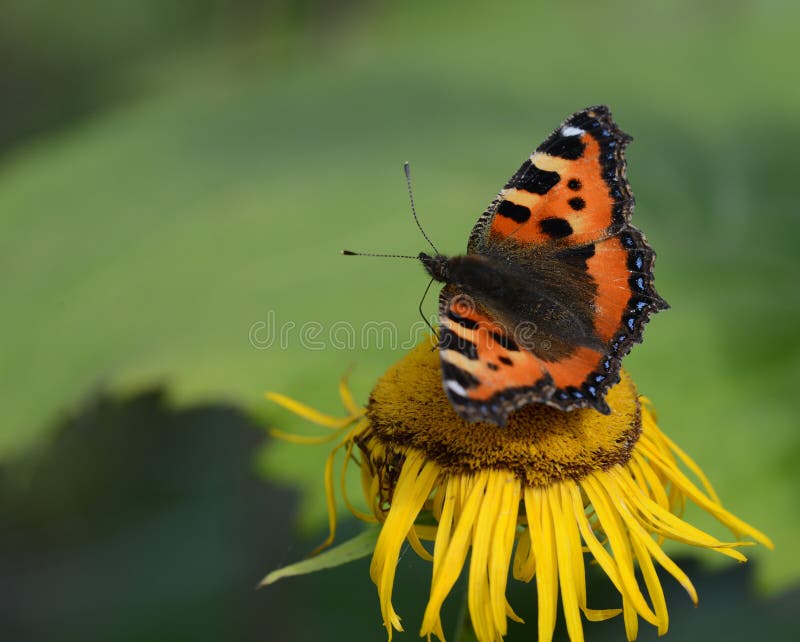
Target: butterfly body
556,284
522,294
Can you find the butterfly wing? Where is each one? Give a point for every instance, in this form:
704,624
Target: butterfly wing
572,189
568,208
485,373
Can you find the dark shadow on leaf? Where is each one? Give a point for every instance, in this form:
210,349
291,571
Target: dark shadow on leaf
143,522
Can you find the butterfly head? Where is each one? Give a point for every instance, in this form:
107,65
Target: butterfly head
438,266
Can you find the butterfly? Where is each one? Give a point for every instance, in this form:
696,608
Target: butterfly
556,284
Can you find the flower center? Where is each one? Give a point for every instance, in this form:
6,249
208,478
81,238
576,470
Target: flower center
408,409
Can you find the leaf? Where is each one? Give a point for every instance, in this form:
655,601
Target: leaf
353,549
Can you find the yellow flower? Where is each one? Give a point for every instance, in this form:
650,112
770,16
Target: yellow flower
540,495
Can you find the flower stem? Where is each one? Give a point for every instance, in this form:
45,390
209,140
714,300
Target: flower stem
464,631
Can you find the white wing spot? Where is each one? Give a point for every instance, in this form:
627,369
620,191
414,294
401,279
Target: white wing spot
456,387
572,131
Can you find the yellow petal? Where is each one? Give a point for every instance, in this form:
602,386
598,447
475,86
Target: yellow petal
566,568
524,559
330,500
419,549
654,430
413,487
343,485
303,440
665,522
306,412
431,623
692,492
347,398
600,615
448,571
540,522
629,615
640,536
478,595
502,547
620,545
651,580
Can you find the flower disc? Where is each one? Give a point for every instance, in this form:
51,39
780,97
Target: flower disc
540,444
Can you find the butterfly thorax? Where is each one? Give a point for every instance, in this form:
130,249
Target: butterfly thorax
519,296
471,271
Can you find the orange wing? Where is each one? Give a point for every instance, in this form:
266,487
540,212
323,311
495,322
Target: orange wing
570,203
485,373
572,190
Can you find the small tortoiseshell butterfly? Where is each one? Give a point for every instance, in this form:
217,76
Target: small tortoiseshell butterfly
556,285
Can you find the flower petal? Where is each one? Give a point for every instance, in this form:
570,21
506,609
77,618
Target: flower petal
415,483
540,521
306,412
620,546
447,573
566,569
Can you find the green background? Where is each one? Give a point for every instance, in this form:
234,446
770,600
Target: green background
174,176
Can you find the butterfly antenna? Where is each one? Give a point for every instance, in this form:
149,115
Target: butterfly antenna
407,169
384,256
421,313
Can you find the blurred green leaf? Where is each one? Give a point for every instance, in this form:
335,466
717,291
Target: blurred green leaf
348,551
